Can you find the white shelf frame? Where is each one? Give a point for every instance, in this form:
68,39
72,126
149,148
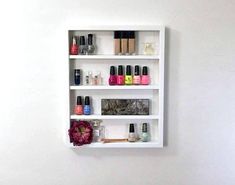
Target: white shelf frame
160,87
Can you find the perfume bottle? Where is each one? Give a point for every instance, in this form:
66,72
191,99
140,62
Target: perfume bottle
112,77
145,79
132,135
82,47
128,77
148,48
87,107
120,76
74,46
90,46
145,134
77,76
136,78
78,108
98,131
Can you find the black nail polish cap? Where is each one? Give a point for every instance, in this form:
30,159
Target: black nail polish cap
145,70
79,100
137,70
112,70
145,127
117,34
90,39
131,128
120,70
82,40
128,70
77,71
87,100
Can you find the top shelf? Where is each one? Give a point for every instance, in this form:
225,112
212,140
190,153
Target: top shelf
116,57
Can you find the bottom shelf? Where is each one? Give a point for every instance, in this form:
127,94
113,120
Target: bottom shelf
150,144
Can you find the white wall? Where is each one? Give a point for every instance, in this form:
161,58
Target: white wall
200,100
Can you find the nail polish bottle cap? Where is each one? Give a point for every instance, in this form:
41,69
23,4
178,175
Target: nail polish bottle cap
79,100
131,34
137,70
90,39
145,70
117,34
131,128
87,100
120,70
77,71
145,127
124,34
112,70
128,70
82,40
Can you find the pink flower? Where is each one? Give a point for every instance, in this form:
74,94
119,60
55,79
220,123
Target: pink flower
80,133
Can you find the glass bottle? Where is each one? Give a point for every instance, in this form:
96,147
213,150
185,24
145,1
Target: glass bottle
98,131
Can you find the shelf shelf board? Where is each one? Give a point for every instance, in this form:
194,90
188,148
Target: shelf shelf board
150,144
116,87
116,57
118,117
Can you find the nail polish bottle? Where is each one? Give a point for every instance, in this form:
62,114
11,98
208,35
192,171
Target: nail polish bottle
124,42
74,46
128,77
90,46
117,42
78,108
87,107
77,76
136,78
132,135
82,47
131,42
113,76
145,134
145,79
120,77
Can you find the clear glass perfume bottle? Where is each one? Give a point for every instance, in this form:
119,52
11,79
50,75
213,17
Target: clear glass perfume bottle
149,48
98,131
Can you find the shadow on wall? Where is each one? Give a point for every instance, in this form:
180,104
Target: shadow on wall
171,137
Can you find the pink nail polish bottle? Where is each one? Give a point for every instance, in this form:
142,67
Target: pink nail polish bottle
78,108
145,79
113,76
136,78
120,77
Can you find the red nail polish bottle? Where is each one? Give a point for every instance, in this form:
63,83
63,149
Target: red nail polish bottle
78,108
136,78
120,76
113,76
74,46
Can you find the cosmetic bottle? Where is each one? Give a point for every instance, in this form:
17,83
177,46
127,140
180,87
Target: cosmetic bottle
120,76
87,82
132,135
136,77
87,107
98,131
90,77
90,46
131,42
82,47
145,134
99,78
113,76
74,46
128,77
77,76
124,42
145,79
78,108
117,42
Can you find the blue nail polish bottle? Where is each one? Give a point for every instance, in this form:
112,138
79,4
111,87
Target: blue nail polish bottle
87,107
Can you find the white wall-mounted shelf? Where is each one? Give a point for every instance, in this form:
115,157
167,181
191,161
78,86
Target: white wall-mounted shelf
117,125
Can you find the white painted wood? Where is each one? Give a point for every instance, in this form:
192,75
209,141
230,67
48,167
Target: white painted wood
101,62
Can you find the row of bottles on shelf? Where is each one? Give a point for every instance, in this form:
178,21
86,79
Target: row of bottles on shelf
133,136
124,44
116,78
